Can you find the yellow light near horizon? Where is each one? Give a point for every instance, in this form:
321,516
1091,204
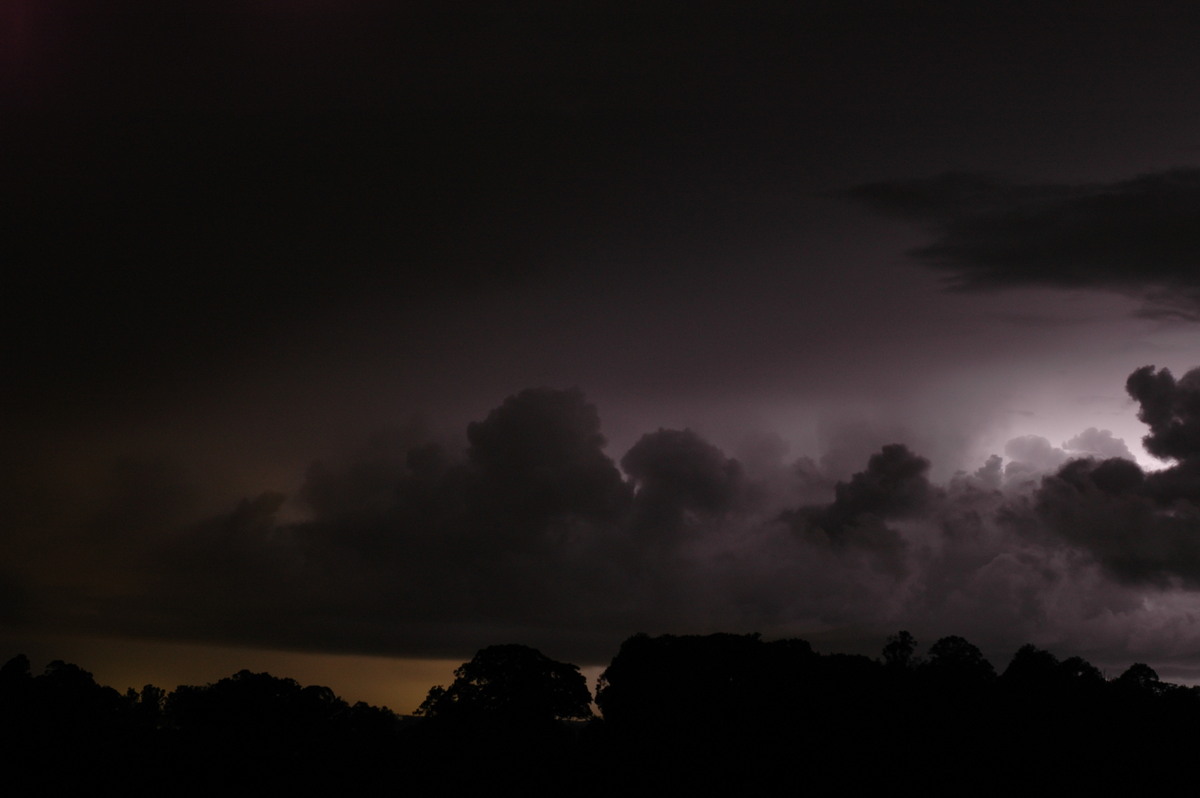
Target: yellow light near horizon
399,683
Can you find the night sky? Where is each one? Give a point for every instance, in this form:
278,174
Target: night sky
402,329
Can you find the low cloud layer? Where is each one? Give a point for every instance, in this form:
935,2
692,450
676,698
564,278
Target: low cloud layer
534,534
1138,236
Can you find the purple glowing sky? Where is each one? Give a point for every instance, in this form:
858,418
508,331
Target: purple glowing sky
265,249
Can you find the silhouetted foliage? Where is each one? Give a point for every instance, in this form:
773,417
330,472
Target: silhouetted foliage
15,670
1032,668
900,651
1139,678
955,662
693,682
1079,672
714,714
511,684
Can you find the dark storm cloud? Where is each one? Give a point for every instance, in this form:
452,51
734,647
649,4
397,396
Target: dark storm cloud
677,474
413,548
189,182
530,532
540,455
1139,236
193,182
256,216
1107,508
156,249
894,486
1171,409
1143,528
367,484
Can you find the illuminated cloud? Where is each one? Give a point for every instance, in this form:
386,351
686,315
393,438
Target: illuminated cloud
247,244
533,533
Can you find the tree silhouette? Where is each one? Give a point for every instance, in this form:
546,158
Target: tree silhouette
1080,673
955,661
1139,678
15,671
511,684
720,713
899,653
706,686
1033,669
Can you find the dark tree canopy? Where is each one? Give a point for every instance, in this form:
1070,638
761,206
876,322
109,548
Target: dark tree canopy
900,651
691,683
254,704
1079,672
711,714
1032,666
511,683
954,660
1139,677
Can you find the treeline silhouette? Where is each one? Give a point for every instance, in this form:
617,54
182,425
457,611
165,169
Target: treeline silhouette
701,714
